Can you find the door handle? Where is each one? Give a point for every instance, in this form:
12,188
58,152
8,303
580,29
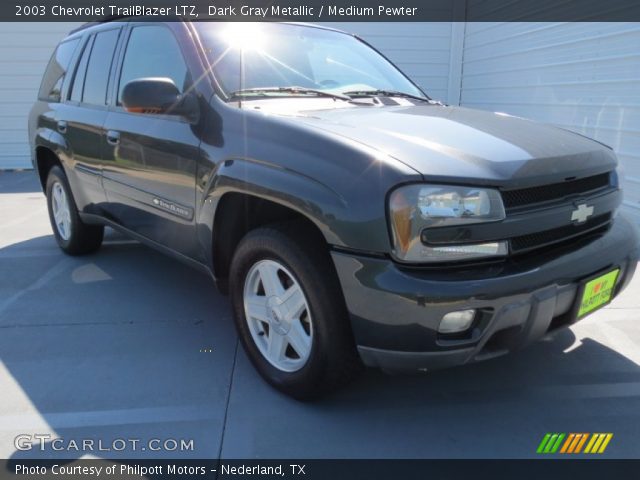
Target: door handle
113,137
62,126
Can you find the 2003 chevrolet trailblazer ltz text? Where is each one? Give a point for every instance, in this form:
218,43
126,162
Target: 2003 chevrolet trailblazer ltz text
352,219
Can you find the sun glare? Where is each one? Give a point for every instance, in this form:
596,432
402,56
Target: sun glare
244,36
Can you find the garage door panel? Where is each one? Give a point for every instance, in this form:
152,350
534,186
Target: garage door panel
31,82
13,149
13,136
534,45
28,38
15,161
33,54
616,69
20,110
12,121
25,49
539,33
18,95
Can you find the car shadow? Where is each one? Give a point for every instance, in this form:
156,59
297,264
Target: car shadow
24,181
127,344
118,345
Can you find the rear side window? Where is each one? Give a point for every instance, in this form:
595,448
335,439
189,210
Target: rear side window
153,51
51,87
98,68
81,71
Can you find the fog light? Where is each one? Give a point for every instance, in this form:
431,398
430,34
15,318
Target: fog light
455,322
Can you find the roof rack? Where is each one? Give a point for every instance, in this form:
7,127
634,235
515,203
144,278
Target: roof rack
115,18
106,19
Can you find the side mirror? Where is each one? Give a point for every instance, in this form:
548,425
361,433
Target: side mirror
158,95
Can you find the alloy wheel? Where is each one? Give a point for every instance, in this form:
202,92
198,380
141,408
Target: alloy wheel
278,315
61,210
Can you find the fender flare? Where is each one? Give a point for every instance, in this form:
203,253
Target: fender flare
307,196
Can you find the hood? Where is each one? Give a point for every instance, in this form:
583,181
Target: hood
444,143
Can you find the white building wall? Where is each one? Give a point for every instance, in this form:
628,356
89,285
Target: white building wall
25,49
581,76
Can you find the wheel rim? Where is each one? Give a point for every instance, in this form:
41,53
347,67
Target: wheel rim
61,210
278,315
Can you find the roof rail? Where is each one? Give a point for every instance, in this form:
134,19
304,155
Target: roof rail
105,19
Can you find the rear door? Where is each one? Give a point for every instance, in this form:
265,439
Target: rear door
83,114
150,159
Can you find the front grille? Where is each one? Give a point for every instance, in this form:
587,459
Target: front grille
514,199
536,240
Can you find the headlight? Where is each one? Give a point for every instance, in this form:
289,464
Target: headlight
416,207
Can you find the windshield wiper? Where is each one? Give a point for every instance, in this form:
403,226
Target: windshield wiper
293,90
389,93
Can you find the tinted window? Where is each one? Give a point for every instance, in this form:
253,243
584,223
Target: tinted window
153,51
54,75
97,77
81,70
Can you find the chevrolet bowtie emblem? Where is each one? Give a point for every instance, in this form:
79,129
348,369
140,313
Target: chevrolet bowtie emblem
582,213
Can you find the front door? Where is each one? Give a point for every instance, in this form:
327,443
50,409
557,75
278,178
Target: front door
150,159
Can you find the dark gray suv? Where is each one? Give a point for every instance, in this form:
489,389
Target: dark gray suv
352,219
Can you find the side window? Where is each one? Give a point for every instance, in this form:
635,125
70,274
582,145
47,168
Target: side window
81,71
51,86
153,51
99,66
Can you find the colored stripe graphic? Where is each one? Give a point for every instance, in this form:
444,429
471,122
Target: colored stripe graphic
581,443
568,442
573,443
556,445
543,443
594,437
605,442
598,443
550,443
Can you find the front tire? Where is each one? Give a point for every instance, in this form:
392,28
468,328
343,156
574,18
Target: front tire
290,313
72,235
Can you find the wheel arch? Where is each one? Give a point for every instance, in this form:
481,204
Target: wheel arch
45,160
237,214
49,149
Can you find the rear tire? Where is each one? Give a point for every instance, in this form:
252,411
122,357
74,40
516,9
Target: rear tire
72,235
302,309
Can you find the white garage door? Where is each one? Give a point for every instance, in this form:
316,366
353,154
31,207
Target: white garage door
581,76
25,49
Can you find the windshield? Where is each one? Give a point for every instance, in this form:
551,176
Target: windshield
248,56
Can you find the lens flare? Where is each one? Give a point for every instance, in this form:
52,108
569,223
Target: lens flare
245,36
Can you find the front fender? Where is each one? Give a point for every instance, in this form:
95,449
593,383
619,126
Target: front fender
325,207
338,184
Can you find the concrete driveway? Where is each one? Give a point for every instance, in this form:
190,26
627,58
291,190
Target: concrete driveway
129,344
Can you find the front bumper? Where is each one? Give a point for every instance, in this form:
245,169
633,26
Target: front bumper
395,311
